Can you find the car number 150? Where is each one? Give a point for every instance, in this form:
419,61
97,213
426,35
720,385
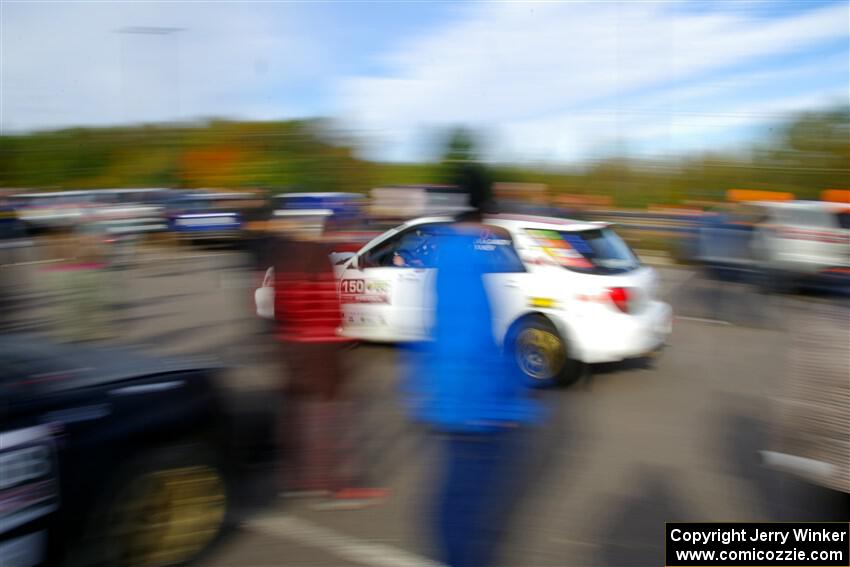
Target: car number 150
353,286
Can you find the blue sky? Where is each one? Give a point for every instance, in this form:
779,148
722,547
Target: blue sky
549,82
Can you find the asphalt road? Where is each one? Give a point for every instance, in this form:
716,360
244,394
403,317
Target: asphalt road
623,451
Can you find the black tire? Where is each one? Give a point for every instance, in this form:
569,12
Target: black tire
165,507
541,354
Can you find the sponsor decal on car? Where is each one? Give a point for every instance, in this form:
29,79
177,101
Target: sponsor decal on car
362,291
556,247
365,319
488,241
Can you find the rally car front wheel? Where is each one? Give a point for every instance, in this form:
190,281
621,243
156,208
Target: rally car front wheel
166,507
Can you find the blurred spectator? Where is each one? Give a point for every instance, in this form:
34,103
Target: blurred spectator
473,177
462,386
317,429
12,233
78,279
465,171
258,235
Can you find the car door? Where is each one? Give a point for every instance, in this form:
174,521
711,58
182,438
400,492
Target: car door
507,280
383,289
803,241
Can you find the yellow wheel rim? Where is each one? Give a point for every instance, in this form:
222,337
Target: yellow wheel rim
540,353
168,516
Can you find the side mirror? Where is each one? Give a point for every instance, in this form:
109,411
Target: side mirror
340,258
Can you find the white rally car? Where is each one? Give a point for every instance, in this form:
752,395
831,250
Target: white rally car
563,292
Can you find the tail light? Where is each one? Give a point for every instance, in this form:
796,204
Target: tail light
619,296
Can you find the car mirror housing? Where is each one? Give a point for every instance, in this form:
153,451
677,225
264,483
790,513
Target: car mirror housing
340,258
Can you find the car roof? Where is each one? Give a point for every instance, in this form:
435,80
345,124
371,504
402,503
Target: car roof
425,187
507,221
319,195
515,222
827,206
206,196
135,190
75,193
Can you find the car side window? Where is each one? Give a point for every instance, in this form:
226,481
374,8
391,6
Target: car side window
500,255
380,255
417,247
811,218
413,248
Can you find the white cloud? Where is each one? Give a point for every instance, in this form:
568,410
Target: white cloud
67,64
550,80
570,137
538,72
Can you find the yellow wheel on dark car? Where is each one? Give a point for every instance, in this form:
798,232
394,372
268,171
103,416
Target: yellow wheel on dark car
166,517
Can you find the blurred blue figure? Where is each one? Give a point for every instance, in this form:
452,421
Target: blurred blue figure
462,386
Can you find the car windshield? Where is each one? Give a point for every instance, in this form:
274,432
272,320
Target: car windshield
419,248
595,251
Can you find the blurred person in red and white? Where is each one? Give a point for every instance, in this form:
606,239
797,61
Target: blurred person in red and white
319,456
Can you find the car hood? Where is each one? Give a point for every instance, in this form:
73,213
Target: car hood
37,368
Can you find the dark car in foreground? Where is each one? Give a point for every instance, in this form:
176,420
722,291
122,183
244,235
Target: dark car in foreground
109,457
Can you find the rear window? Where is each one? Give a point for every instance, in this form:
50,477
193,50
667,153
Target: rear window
811,218
597,251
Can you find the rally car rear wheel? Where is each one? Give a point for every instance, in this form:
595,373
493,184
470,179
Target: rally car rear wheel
541,354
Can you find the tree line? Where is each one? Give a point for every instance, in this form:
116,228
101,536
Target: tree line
804,154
